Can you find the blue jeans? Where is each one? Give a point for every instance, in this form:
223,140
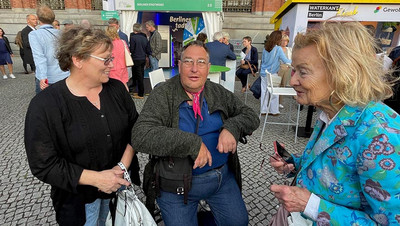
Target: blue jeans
96,212
37,86
153,63
219,188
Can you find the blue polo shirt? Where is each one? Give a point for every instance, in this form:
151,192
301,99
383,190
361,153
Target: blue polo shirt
209,130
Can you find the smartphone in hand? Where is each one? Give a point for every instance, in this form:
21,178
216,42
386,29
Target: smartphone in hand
281,151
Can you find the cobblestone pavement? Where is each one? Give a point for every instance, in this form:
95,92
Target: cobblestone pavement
24,200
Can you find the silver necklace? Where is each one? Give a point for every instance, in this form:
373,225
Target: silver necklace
73,91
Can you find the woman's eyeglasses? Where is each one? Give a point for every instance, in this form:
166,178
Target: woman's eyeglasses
201,63
107,61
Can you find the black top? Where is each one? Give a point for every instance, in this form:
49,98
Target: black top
65,134
139,46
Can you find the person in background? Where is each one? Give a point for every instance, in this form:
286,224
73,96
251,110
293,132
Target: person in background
140,48
166,127
348,173
155,44
85,24
119,71
202,37
56,24
18,42
68,24
77,130
271,57
226,39
113,22
285,70
44,42
32,23
5,55
250,57
219,51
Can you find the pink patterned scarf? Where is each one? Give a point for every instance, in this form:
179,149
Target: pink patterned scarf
196,103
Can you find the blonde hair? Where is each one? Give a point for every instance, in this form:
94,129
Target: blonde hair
112,32
347,51
285,37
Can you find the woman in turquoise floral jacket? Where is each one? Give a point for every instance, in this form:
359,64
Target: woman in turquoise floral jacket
349,172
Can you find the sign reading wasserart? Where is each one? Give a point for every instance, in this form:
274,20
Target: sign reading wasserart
179,5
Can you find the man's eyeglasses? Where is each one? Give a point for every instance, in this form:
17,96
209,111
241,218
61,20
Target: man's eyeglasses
107,61
201,63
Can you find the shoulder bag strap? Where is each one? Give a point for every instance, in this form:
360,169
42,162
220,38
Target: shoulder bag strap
51,33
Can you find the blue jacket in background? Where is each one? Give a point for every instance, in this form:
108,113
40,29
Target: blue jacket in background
123,36
44,43
219,53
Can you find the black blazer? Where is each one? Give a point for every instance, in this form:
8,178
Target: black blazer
253,56
27,47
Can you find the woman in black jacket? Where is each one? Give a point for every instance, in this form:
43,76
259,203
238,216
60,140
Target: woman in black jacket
5,55
250,59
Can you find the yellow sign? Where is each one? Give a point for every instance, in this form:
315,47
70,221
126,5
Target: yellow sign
343,12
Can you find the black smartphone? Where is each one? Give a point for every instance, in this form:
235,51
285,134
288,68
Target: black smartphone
281,151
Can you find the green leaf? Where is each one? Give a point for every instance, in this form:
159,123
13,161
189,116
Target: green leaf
397,186
379,175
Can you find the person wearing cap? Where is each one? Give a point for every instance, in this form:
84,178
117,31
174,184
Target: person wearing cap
68,24
113,22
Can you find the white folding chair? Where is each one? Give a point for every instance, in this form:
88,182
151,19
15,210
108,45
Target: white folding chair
281,91
156,77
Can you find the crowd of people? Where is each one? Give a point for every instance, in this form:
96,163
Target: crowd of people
83,121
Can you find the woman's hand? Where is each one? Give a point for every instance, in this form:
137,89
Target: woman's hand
279,165
242,62
109,181
293,199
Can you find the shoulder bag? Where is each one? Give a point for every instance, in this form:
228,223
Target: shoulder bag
128,58
173,174
127,209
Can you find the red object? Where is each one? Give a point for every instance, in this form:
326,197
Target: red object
46,81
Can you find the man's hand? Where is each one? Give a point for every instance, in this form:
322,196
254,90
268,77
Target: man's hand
43,84
203,157
226,142
293,198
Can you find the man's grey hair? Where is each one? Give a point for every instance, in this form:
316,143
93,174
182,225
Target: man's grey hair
151,23
217,36
195,43
137,27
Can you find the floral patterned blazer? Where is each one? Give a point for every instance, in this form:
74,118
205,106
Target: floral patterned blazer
354,167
